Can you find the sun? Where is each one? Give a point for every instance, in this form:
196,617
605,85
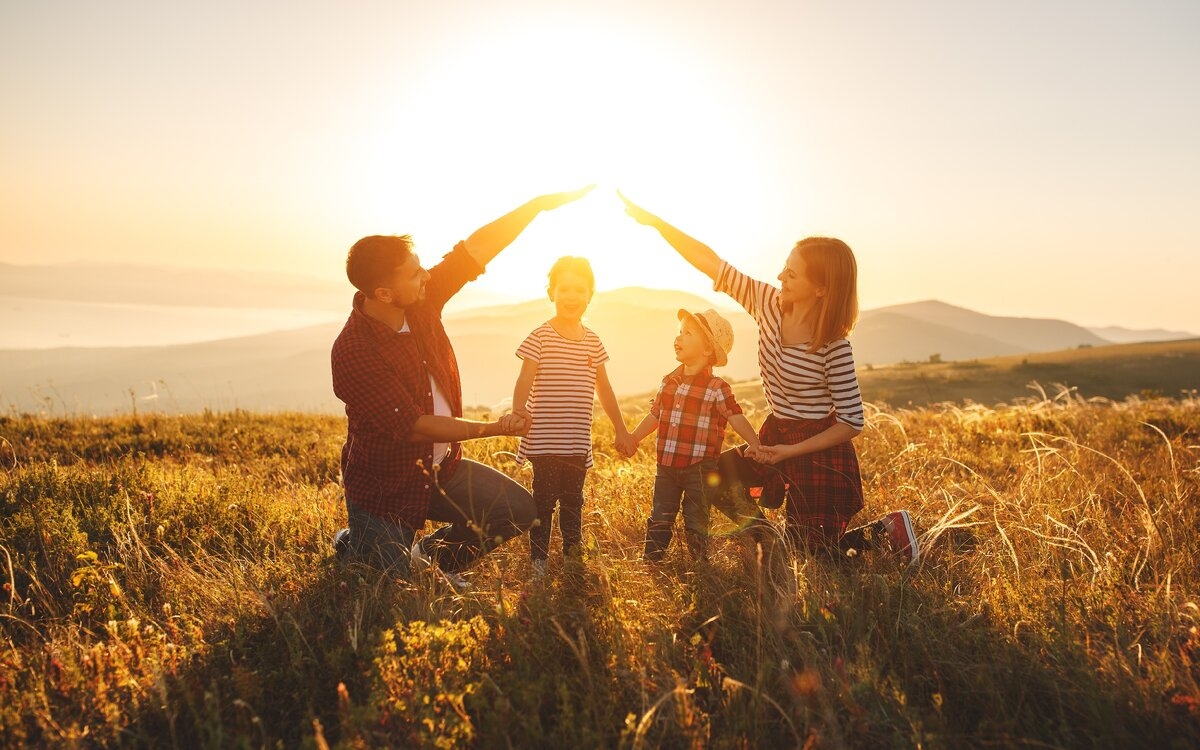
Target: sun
555,106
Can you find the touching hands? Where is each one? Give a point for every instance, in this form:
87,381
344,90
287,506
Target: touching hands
769,454
626,445
514,423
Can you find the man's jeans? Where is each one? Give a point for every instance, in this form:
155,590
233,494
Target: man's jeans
481,506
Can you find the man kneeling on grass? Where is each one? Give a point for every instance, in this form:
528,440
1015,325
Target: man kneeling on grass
395,369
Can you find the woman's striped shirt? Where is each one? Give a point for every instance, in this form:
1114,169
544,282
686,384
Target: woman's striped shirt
798,384
562,399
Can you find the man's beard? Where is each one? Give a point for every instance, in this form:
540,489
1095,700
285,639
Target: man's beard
400,306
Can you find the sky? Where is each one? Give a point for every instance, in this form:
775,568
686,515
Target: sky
1019,158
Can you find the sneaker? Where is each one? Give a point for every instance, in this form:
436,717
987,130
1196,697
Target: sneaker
422,561
898,526
341,544
540,569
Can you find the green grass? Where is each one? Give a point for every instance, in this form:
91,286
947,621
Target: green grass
167,583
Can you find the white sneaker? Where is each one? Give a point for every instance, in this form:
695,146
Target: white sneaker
540,569
422,561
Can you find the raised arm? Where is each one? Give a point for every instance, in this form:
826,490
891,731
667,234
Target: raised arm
693,251
486,242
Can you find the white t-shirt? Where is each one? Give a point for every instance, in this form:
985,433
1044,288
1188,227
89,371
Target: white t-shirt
441,408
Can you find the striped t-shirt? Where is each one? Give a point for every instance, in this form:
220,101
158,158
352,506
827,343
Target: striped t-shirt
798,384
563,395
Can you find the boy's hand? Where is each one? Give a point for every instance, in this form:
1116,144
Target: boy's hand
768,454
626,445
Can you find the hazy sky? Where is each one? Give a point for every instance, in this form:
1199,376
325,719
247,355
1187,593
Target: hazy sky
1017,158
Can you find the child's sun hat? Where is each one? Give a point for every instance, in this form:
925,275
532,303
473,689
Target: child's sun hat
716,330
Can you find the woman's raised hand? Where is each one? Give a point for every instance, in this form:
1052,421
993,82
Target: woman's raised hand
639,214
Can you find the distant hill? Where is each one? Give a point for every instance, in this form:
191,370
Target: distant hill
995,332
290,369
1119,335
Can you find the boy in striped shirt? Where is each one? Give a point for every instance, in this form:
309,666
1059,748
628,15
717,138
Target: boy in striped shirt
690,412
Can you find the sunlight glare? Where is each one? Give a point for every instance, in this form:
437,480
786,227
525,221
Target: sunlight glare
550,109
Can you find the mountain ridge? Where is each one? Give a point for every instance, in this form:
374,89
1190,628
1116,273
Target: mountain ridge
289,369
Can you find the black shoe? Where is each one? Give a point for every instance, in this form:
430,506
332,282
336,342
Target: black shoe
341,544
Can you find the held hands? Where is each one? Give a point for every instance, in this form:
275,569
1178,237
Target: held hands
514,423
769,454
626,445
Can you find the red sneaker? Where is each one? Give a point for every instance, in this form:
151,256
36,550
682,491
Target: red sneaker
900,534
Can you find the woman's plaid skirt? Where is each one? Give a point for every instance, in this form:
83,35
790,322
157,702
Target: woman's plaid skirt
823,489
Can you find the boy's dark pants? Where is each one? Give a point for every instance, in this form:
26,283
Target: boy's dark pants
692,485
557,480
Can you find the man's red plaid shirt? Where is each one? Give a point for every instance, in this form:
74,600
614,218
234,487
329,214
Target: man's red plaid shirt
383,378
692,413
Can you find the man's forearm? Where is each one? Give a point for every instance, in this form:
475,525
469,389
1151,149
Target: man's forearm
486,242
433,428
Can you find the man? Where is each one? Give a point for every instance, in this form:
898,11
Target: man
394,368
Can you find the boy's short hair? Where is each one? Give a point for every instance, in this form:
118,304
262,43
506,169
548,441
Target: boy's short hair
716,330
372,260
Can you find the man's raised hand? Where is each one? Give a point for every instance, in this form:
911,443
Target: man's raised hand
551,201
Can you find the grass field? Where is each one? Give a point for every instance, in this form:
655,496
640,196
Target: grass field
167,582
1167,368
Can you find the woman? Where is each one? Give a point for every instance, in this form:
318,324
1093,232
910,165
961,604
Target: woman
807,368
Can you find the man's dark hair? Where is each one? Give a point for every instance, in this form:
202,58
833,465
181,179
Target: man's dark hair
372,260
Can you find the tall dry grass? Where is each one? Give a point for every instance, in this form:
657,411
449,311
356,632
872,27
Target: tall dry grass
167,582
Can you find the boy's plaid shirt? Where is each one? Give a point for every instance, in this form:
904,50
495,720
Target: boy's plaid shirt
692,413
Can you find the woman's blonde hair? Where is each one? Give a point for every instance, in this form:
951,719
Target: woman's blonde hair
830,263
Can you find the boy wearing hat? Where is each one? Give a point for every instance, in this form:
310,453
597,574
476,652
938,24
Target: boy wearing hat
690,412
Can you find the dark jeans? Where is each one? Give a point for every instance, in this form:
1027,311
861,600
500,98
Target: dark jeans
673,487
557,480
482,509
